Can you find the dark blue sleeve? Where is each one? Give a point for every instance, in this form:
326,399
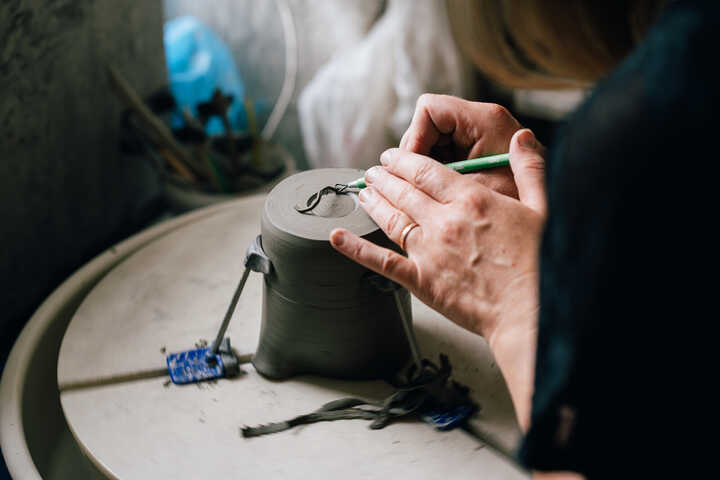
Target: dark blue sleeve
626,246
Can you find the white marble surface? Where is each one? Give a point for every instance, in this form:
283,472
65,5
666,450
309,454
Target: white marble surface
172,294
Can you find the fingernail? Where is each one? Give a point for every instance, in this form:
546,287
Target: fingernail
526,139
365,194
386,156
338,238
371,174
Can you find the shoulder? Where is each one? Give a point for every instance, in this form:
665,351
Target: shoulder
671,69
659,97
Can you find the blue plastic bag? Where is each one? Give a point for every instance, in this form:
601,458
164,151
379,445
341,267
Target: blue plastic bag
198,62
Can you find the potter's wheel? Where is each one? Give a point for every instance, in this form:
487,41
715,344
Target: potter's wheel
174,292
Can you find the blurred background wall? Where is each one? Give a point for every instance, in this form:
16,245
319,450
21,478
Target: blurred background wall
347,50
254,33
65,191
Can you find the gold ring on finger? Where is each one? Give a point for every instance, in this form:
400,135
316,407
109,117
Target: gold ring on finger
405,232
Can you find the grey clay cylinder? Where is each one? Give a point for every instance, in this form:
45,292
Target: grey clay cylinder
322,314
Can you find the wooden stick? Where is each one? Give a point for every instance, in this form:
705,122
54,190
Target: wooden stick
160,131
202,150
177,165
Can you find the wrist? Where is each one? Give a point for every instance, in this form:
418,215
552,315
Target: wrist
517,311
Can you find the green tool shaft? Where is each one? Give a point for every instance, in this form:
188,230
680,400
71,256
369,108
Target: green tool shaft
463,166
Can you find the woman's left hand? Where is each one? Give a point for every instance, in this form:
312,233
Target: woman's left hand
473,255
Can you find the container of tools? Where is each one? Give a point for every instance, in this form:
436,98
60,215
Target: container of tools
198,169
182,194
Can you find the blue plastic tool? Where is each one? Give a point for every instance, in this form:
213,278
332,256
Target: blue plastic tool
192,366
196,365
447,420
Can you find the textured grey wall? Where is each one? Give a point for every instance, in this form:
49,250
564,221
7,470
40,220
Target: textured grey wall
65,191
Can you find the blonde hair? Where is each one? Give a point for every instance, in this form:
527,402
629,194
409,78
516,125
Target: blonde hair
549,44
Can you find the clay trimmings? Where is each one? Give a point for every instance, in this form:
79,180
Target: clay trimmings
334,210
339,206
428,393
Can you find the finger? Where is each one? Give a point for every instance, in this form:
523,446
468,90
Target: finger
528,166
424,173
381,260
435,115
494,131
478,128
391,220
404,139
401,194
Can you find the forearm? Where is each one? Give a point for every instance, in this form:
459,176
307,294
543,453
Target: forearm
514,351
513,341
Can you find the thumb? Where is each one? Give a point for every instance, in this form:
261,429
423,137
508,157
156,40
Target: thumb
528,166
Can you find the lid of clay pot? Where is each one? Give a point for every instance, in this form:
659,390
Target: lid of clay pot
333,211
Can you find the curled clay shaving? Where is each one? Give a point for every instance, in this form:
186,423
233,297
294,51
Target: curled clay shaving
314,199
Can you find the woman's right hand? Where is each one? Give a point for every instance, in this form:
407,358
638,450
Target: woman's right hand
450,129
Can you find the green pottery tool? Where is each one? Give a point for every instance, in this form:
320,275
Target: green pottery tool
463,166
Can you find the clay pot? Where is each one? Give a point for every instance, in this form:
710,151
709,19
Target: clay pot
322,313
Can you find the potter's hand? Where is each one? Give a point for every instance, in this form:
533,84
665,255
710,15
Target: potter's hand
474,253
450,129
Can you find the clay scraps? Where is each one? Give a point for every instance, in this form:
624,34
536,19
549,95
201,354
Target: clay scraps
315,198
429,394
